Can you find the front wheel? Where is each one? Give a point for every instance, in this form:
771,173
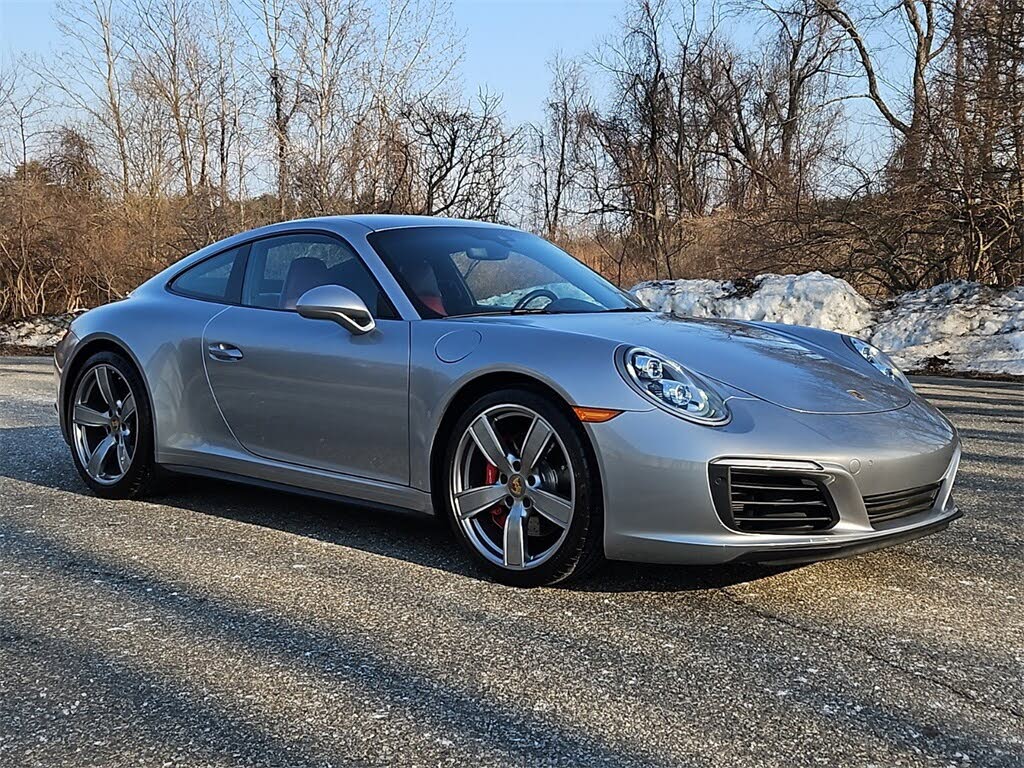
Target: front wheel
522,494
111,429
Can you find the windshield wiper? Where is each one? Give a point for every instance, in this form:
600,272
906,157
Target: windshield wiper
483,313
523,311
546,311
536,311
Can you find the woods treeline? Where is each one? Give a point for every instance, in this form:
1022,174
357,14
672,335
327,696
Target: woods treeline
883,144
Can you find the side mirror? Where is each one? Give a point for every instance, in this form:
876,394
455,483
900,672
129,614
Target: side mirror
337,303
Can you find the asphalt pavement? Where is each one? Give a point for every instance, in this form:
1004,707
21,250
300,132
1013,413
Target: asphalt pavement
219,625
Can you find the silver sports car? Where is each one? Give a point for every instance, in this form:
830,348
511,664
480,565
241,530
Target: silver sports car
478,372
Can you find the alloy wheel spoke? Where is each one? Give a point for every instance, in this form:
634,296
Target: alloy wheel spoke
534,443
124,460
103,383
514,549
554,508
89,417
128,407
496,436
476,500
99,456
490,444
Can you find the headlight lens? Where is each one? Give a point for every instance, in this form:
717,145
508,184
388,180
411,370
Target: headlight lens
879,360
672,387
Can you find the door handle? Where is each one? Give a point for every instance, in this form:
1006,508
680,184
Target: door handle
224,351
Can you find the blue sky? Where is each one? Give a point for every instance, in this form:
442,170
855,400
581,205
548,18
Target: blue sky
507,47
507,42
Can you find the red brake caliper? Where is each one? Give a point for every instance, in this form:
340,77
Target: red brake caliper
499,514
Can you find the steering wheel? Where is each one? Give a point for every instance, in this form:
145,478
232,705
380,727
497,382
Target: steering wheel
536,293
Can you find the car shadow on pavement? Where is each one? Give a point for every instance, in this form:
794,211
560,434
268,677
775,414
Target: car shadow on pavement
352,660
423,540
373,674
37,455
643,577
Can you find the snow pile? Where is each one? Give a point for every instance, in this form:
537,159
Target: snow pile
812,299
957,327
38,332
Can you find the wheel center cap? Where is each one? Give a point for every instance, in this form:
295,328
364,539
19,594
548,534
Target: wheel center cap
115,423
517,486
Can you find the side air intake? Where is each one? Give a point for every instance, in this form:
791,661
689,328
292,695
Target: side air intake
758,501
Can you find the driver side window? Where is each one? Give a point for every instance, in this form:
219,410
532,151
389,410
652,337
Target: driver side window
281,269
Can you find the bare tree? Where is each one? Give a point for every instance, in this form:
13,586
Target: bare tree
462,159
90,71
921,19
24,273
329,35
556,144
277,63
633,134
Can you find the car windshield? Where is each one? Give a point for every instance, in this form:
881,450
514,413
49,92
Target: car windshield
458,271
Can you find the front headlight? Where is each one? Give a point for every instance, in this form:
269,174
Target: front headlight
670,386
878,360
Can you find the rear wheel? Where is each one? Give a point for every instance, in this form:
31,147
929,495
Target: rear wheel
111,428
522,494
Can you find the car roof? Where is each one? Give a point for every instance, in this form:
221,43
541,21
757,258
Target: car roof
392,221
381,221
343,225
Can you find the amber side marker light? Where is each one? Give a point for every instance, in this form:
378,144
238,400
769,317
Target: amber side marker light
595,415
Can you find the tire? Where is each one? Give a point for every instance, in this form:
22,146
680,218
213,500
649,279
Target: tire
114,479
563,481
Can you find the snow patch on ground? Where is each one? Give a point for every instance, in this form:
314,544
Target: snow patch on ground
37,332
957,327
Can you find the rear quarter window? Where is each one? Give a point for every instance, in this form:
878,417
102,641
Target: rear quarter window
218,278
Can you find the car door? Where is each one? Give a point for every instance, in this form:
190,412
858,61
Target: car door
307,391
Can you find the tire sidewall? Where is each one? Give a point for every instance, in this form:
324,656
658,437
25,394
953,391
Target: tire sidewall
585,529
140,474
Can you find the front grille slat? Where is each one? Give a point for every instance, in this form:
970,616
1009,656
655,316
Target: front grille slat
909,501
777,502
882,507
902,496
782,519
757,501
752,487
897,515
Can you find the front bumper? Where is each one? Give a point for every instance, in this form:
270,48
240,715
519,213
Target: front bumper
658,499
61,355
836,550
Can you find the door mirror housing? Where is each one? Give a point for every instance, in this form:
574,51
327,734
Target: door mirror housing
337,303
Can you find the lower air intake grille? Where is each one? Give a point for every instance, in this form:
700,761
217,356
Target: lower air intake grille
772,502
890,506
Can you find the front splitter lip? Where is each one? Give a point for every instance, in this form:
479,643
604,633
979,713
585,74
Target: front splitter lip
803,553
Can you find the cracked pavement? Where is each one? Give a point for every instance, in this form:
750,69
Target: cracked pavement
219,625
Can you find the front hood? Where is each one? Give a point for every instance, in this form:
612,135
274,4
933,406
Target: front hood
773,366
